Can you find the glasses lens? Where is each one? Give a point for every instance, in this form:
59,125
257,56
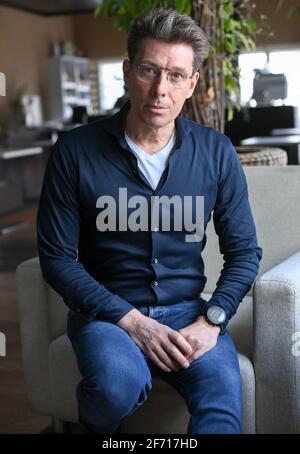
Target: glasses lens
177,79
149,73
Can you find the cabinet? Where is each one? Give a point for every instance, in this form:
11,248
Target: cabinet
260,121
69,86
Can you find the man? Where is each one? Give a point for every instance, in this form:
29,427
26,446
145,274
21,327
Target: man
132,280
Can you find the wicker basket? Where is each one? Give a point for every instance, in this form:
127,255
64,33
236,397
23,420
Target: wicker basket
262,156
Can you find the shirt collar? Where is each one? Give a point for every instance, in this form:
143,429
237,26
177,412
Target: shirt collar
115,125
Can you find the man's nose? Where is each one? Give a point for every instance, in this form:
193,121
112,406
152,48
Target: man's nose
161,84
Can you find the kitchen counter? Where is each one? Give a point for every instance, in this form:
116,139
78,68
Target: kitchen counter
21,174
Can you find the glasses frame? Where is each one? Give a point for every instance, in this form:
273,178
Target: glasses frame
139,65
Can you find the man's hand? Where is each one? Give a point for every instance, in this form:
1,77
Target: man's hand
167,348
201,336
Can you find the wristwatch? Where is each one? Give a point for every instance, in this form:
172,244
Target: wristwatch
216,316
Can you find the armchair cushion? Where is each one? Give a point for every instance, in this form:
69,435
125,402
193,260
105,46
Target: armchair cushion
277,367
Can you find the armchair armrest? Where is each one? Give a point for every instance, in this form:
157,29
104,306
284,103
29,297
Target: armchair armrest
35,333
276,297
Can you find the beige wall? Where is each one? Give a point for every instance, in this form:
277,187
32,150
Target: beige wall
25,43
286,30
25,40
98,38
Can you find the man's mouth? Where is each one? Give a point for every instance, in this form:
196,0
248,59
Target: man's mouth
156,107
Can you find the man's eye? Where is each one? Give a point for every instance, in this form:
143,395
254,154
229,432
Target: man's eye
177,76
149,70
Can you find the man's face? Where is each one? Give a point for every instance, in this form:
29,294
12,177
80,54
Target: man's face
156,103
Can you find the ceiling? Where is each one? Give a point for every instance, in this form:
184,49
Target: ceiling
52,7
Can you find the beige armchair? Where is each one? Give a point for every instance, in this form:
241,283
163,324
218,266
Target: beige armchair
263,329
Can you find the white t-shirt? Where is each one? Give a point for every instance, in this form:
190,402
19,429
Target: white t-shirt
152,165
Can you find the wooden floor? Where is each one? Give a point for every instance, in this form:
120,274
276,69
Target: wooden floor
15,412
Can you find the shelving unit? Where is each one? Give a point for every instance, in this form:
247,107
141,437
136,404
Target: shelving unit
69,86
94,86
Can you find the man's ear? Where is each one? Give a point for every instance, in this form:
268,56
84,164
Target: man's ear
126,70
193,83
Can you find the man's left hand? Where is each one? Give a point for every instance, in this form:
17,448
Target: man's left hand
202,337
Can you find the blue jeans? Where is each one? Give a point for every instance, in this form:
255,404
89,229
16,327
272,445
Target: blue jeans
117,375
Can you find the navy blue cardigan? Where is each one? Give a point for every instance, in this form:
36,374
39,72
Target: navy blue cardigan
105,274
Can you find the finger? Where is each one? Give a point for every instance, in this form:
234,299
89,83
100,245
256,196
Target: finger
154,358
199,352
189,357
195,355
180,341
176,355
166,359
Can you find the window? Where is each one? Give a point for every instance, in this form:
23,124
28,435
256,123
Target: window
248,63
276,61
111,84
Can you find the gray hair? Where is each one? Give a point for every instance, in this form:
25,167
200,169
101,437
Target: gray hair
169,26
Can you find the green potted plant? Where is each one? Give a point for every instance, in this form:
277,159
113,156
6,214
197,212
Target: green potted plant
230,27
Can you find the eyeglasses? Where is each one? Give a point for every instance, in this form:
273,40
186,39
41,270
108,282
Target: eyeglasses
149,73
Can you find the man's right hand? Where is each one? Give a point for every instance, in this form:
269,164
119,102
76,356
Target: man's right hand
165,347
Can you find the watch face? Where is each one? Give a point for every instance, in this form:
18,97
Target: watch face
216,315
